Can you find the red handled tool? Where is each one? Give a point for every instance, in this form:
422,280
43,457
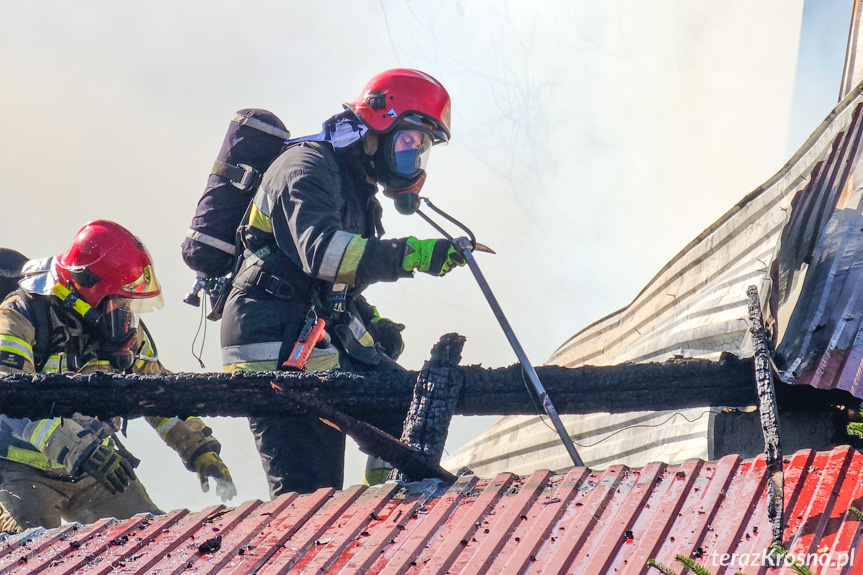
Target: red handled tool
313,332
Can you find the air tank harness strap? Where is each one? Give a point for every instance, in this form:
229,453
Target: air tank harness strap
242,176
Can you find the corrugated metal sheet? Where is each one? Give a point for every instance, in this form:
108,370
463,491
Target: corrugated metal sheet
817,274
521,444
696,306
583,522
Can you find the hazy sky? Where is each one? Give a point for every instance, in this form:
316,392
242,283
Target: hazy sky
591,142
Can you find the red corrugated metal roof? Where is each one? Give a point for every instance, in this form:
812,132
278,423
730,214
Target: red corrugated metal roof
584,522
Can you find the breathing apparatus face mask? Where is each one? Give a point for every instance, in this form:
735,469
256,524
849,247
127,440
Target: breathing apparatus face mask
400,162
118,331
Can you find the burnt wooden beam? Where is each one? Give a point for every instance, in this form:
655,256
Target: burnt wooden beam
675,384
434,398
372,440
768,411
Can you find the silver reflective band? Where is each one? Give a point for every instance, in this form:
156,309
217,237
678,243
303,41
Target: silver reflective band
55,363
43,430
318,352
167,426
261,126
262,202
360,332
249,352
212,242
334,254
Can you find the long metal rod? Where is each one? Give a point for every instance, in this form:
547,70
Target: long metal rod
464,245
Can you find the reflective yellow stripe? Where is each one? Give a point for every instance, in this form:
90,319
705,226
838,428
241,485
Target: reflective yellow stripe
16,351
270,365
17,346
166,425
146,348
351,260
360,333
323,359
260,221
57,362
334,254
31,458
54,363
43,432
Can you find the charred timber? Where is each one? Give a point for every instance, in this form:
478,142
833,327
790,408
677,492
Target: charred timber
434,399
373,441
769,415
675,384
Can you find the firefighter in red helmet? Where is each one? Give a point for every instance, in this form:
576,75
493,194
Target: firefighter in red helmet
79,312
313,241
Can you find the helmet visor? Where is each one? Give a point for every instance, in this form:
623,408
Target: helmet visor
410,151
118,318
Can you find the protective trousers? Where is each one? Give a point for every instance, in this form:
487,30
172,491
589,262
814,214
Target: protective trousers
302,453
298,453
34,498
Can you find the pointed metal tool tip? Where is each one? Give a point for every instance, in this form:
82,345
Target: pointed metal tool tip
478,247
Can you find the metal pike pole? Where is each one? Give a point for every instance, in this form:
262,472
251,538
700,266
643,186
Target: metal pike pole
466,247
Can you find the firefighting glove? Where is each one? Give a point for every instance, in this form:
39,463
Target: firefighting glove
109,468
208,465
434,257
387,333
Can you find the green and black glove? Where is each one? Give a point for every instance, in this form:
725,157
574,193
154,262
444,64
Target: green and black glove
434,257
387,333
108,467
208,465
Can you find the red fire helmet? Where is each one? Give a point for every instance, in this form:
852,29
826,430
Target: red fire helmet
107,260
398,94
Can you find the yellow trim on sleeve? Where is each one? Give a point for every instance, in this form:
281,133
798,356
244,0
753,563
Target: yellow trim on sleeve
257,219
31,458
41,435
166,425
347,271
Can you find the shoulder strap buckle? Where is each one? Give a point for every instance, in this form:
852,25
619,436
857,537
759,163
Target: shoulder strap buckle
250,178
242,176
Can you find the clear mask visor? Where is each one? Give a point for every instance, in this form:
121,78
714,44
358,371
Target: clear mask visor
118,318
410,151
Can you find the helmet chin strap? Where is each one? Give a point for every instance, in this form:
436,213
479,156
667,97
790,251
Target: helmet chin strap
74,303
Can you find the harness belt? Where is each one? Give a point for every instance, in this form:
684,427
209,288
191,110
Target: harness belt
260,281
265,274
